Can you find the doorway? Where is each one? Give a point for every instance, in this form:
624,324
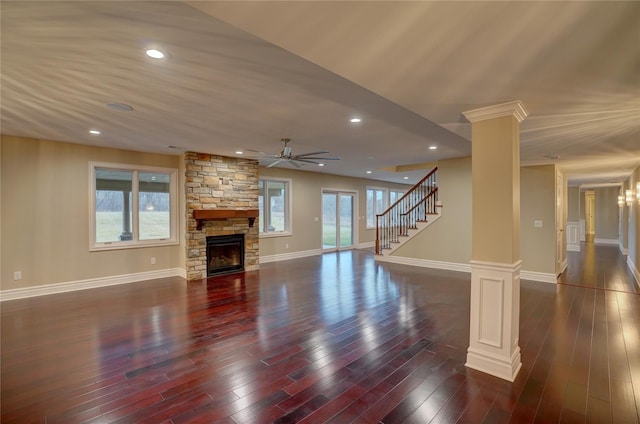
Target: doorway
589,215
338,229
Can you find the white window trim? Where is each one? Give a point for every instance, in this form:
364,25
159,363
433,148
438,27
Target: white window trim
289,231
132,244
366,211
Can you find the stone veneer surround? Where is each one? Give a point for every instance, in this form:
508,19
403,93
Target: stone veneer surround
219,182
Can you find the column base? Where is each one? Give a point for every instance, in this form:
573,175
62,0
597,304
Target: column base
495,318
498,366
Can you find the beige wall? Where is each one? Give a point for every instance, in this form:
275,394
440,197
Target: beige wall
449,238
573,204
607,212
307,205
45,215
537,192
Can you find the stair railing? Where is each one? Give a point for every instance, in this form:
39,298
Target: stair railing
413,207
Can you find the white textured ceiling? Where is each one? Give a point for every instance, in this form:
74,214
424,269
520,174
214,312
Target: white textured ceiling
241,75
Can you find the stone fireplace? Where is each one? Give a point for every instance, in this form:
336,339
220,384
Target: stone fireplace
222,192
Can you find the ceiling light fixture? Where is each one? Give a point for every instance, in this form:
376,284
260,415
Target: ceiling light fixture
239,152
368,172
405,178
94,132
321,164
155,54
433,147
355,120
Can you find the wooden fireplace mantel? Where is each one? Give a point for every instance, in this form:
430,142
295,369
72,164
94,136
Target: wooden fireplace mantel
202,215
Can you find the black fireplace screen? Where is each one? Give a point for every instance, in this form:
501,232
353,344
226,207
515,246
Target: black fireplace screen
225,254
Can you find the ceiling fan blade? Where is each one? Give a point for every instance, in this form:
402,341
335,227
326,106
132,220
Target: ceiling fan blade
292,162
262,153
298,158
274,163
312,153
306,161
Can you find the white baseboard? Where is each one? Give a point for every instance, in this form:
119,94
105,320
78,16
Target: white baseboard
425,263
90,283
623,249
366,245
606,241
290,255
542,277
573,247
634,270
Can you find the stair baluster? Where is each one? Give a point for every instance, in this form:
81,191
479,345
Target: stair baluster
413,207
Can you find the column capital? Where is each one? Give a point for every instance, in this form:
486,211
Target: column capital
514,108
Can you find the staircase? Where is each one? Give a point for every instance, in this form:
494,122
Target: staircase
408,216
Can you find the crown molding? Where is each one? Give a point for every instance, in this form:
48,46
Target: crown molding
514,108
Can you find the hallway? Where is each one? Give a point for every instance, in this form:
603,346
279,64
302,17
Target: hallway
599,266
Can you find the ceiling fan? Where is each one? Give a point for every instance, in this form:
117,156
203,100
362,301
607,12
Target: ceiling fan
286,155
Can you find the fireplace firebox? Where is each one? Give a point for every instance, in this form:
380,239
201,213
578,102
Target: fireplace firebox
225,254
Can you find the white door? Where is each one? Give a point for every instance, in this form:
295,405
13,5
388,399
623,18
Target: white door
589,212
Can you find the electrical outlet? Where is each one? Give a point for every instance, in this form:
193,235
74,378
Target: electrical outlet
153,260
17,275
537,224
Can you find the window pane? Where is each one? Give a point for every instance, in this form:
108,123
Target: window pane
380,202
329,227
277,205
154,206
261,216
113,205
370,212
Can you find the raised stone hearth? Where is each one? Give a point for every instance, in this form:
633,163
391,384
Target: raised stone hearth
217,183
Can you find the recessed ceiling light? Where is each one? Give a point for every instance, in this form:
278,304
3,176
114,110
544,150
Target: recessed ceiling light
368,172
94,132
355,120
155,53
433,147
321,164
239,152
120,106
406,178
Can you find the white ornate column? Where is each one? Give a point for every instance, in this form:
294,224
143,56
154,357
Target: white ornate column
495,254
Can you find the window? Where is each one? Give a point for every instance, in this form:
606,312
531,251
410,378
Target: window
377,202
274,203
132,206
394,196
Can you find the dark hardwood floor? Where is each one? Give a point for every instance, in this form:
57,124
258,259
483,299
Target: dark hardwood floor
335,338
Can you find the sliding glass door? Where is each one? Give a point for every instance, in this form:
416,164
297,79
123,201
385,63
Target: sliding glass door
337,220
